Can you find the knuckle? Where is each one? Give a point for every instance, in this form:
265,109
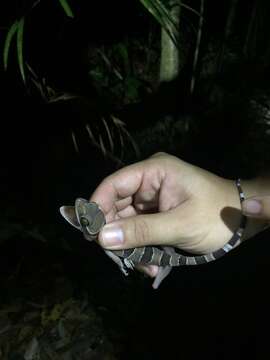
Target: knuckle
159,153
141,232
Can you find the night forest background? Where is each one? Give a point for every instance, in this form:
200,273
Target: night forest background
83,93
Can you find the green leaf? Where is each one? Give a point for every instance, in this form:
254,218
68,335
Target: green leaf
150,6
9,37
66,8
160,12
20,47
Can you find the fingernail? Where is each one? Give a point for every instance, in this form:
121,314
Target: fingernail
111,236
252,207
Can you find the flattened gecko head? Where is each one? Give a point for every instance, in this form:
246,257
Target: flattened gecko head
90,217
85,216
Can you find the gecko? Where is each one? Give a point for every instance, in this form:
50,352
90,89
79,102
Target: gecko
89,219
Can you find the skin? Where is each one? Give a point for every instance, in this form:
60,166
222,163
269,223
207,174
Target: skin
166,201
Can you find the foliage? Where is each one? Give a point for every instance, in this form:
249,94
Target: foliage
129,88
70,329
18,28
126,72
160,12
67,8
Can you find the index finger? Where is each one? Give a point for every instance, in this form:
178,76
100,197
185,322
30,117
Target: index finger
122,184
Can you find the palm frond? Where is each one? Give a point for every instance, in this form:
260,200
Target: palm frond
74,140
20,29
160,12
185,6
122,129
109,134
12,31
100,145
197,48
67,8
114,128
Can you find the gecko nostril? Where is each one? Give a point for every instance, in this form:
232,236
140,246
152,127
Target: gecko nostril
84,221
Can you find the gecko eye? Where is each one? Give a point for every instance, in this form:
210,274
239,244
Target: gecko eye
84,221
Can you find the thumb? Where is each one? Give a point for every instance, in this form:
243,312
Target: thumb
257,207
138,231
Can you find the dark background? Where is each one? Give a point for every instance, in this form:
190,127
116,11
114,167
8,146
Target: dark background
216,311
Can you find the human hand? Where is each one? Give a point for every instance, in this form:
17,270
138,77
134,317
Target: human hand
166,201
257,207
